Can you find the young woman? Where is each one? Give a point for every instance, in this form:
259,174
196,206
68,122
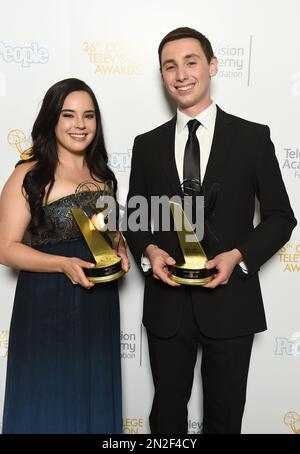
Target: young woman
63,373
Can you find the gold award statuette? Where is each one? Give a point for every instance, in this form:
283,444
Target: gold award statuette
192,270
108,265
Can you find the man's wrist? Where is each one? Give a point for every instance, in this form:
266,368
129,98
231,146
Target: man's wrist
150,248
238,256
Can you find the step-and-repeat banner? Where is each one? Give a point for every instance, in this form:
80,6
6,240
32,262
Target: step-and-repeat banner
113,47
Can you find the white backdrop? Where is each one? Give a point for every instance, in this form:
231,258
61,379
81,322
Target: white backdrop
113,47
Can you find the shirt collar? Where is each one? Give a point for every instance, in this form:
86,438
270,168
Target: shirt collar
207,118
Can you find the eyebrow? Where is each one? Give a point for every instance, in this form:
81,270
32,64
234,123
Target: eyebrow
186,57
191,56
71,110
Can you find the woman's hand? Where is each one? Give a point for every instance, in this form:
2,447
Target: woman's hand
72,267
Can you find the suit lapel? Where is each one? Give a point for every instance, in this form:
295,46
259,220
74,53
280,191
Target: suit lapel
217,161
167,156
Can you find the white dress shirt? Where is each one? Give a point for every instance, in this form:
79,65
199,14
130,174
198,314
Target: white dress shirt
204,133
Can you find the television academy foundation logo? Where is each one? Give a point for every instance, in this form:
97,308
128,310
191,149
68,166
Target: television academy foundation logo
291,161
292,420
16,138
234,61
128,345
195,427
132,345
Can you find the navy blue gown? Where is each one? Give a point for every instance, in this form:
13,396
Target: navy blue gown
63,372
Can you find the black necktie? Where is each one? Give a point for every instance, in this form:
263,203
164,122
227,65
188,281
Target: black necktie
191,163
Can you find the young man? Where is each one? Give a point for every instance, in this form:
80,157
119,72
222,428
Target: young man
221,316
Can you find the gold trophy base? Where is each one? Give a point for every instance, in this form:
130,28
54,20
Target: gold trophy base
108,265
103,274
191,276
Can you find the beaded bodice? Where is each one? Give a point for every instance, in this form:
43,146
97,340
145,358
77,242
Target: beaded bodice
60,224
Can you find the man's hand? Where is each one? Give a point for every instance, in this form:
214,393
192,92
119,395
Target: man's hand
160,260
224,263
121,252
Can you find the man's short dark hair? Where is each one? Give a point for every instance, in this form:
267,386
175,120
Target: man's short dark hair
186,32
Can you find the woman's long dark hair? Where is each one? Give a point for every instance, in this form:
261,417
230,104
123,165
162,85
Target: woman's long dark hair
44,148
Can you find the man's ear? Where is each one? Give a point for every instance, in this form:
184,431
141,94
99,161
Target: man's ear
213,67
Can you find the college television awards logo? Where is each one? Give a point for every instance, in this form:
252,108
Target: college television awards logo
16,138
289,257
234,61
292,420
291,161
132,425
3,343
24,55
112,59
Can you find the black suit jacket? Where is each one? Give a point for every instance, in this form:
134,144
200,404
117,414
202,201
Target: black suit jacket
243,162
